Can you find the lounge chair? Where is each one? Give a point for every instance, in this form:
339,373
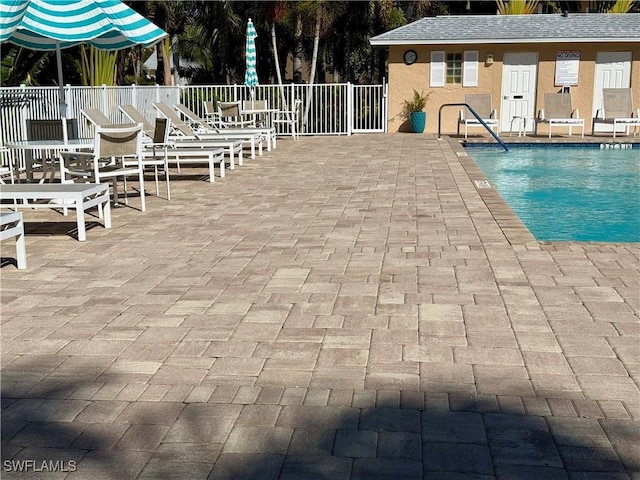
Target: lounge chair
617,110
558,111
200,125
96,117
182,131
184,146
135,116
481,103
180,151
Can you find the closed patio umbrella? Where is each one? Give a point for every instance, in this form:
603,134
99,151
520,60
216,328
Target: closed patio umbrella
52,25
250,74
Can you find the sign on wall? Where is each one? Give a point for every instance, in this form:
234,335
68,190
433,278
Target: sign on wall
567,66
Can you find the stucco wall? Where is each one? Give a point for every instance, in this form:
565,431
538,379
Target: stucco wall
404,78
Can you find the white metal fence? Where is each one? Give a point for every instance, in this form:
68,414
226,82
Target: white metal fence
327,109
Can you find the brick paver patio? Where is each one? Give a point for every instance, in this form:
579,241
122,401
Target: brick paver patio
339,308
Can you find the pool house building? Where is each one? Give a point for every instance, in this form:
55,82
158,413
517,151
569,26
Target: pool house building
514,58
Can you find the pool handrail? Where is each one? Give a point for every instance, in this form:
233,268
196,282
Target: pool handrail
475,114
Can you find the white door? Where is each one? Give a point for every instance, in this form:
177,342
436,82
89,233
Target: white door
519,72
613,70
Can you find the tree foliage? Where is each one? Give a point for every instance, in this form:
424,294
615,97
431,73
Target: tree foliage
517,7
207,38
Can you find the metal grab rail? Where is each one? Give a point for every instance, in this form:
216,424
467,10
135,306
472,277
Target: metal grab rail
475,114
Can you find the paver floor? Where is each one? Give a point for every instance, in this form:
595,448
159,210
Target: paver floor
339,308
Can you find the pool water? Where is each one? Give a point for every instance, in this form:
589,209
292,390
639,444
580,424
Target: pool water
568,193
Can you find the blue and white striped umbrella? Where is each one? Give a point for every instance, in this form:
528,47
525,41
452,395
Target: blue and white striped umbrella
250,74
57,24
52,25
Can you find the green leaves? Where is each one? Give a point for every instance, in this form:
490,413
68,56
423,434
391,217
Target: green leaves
416,104
98,66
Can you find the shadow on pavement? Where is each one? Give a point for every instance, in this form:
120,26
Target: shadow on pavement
52,421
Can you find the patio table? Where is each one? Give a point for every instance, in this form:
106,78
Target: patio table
52,146
255,112
81,196
523,121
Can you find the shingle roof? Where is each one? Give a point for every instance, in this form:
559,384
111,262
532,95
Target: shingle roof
547,28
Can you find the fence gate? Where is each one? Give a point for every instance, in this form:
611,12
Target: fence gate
369,108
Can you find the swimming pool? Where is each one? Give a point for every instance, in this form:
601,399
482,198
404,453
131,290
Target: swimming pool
568,192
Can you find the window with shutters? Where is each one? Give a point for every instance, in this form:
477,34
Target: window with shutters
454,68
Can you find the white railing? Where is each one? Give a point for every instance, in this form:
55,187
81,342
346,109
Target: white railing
327,109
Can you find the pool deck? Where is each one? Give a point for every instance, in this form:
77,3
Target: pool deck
339,308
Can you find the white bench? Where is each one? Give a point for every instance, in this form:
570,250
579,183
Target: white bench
12,226
81,196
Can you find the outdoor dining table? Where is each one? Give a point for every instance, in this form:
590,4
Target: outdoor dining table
255,112
53,147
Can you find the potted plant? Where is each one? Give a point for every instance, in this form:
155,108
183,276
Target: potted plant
413,110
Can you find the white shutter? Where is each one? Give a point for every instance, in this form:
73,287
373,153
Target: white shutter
437,67
470,69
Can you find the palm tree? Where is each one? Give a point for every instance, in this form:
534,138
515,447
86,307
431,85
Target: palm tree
622,6
98,66
222,28
298,48
386,17
276,13
21,65
171,16
610,6
517,7
323,13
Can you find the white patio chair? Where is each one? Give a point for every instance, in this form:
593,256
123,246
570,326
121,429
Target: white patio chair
481,103
112,145
210,112
618,110
258,109
45,160
230,116
154,154
289,118
558,111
